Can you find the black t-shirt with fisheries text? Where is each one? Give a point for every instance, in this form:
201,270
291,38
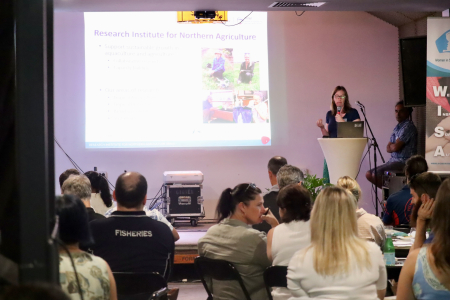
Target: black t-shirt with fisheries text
133,242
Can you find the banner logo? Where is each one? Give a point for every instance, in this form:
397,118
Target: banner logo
443,42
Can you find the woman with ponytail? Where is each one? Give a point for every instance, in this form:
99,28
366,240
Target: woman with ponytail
234,240
101,199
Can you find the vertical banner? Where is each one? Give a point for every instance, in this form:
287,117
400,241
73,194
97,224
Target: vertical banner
437,146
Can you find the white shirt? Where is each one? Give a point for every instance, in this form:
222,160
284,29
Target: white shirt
287,239
152,213
305,283
97,204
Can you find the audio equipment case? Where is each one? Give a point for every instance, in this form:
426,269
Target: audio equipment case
183,202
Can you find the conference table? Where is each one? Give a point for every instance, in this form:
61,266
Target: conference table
402,244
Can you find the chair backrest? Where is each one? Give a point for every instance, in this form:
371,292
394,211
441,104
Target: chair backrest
218,269
275,276
137,286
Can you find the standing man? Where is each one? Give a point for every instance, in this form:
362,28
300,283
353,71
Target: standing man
402,145
270,199
218,66
129,240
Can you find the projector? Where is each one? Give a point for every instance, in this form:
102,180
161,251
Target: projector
204,14
183,177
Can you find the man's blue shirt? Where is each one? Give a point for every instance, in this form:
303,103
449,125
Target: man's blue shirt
398,207
406,132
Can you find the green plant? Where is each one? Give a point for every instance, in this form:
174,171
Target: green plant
314,185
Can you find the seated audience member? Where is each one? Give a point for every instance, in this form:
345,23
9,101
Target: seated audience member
80,186
128,240
338,264
64,175
426,272
93,273
101,198
270,199
399,205
289,174
235,241
155,215
370,226
423,190
294,233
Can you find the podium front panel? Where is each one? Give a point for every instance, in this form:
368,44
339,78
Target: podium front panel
343,156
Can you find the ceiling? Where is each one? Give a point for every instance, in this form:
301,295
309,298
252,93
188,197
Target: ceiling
249,5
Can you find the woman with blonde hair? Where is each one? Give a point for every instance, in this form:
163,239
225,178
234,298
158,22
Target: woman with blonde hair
338,264
370,227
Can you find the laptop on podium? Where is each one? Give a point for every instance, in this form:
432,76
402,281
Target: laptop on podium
350,129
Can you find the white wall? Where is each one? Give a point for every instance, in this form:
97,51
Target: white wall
308,57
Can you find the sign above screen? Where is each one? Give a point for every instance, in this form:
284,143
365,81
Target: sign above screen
153,82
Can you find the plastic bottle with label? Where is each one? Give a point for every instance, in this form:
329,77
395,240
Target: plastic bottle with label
389,251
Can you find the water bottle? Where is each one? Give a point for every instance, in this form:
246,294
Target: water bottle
389,251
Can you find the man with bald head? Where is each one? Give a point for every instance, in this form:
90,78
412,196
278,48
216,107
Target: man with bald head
129,240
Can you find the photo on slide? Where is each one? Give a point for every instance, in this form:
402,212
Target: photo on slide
236,107
217,69
251,107
246,71
218,107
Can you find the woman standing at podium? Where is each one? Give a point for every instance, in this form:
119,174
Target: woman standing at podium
341,111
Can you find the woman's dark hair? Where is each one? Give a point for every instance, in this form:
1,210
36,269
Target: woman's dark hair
99,183
440,225
230,198
415,165
73,220
296,200
347,105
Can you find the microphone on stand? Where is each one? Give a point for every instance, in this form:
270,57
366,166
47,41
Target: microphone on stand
339,110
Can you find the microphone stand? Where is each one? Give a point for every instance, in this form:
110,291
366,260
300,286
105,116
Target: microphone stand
375,145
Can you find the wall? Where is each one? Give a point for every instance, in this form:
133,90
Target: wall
308,57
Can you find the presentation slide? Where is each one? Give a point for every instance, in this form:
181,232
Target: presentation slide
153,82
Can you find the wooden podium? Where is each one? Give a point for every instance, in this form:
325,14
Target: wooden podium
343,156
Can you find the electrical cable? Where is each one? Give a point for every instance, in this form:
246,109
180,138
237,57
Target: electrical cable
299,15
78,167
70,159
360,164
237,23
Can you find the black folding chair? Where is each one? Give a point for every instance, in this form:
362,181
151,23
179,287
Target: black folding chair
275,276
138,286
218,270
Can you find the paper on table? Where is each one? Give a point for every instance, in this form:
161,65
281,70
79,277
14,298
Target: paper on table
402,243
